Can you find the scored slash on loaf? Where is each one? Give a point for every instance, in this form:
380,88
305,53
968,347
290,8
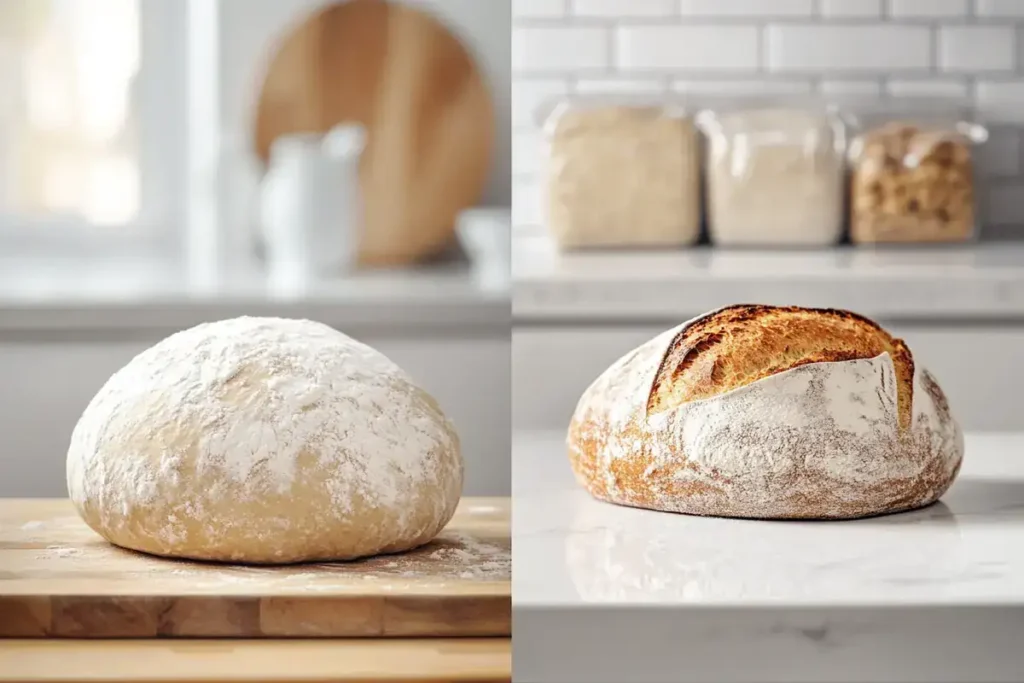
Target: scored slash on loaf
767,412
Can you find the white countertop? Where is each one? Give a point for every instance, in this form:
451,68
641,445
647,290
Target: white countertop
972,281
151,294
707,599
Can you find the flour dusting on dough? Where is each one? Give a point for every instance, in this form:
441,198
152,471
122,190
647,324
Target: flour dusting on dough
215,438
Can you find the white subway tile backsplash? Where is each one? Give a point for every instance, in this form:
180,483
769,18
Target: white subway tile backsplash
744,87
747,8
559,48
526,202
1001,155
1002,101
715,48
694,47
526,152
977,48
1006,204
851,8
619,9
538,8
927,88
1000,8
620,86
875,47
851,87
926,9
529,95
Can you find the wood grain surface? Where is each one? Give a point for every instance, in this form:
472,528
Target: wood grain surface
421,660
426,107
58,579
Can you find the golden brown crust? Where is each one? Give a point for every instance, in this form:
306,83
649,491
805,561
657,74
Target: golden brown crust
738,345
855,430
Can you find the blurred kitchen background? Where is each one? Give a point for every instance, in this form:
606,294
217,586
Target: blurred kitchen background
169,162
586,291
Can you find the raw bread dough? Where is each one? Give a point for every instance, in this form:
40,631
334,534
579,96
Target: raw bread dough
263,440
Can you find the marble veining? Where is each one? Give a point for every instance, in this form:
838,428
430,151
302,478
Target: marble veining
933,595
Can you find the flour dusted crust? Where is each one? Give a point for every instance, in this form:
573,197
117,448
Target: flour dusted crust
767,412
262,440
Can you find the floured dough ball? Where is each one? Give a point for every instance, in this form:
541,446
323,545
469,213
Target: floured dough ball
262,440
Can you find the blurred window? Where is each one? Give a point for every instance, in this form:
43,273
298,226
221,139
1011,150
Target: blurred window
81,118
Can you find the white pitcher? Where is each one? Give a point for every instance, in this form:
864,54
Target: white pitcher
311,209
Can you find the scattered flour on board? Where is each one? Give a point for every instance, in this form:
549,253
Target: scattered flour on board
470,558
59,551
459,556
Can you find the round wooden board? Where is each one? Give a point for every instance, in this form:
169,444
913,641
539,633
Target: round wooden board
427,109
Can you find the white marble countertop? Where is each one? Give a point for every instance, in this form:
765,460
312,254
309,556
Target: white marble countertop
608,593
151,294
982,281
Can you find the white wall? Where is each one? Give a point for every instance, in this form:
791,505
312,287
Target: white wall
966,49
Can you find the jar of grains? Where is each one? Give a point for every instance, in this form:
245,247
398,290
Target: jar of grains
775,175
912,178
621,173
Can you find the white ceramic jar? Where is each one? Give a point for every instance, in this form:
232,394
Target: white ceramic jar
310,202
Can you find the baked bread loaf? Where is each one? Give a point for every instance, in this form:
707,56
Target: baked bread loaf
767,412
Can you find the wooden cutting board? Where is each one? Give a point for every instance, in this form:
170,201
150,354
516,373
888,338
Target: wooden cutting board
427,109
393,660
59,579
